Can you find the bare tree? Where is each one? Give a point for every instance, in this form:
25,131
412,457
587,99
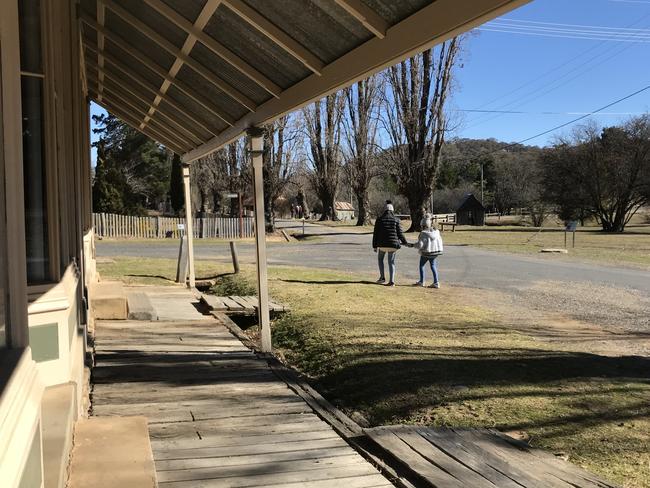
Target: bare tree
324,133
416,123
280,140
360,130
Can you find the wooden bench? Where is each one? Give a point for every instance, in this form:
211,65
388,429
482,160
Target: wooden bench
442,226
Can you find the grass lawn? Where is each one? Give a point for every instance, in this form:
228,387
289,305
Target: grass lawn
412,355
631,248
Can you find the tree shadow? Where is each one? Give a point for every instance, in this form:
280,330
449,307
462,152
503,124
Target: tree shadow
330,282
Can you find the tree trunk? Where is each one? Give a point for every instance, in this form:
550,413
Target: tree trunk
328,200
416,204
269,214
363,203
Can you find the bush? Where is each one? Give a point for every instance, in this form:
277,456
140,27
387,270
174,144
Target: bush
233,285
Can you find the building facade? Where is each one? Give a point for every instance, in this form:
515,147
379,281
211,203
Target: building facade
45,238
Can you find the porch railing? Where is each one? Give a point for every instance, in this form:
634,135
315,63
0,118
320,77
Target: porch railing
130,226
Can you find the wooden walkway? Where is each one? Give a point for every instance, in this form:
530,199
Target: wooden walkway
458,458
218,416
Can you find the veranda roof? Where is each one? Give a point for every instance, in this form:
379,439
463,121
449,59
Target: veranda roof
195,74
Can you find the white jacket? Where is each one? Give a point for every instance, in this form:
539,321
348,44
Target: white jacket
429,242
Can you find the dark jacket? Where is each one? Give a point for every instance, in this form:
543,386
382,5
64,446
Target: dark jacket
388,232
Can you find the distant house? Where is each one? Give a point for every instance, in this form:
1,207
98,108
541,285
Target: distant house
344,210
470,211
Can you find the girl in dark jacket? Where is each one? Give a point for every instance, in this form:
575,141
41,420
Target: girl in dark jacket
387,239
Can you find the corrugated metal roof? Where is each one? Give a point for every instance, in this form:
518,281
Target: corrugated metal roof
217,67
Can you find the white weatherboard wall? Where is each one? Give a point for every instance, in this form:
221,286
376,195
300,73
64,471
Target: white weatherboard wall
55,336
20,427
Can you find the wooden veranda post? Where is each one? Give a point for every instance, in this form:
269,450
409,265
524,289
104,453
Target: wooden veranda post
188,223
256,150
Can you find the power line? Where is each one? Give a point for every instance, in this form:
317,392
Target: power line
524,112
564,36
526,98
558,83
582,117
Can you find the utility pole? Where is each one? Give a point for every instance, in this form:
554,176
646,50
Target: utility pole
482,202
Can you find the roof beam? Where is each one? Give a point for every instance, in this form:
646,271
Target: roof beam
146,85
215,46
101,17
135,111
364,14
277,35
435,23
180,55
133,123
140,98
204,16
142,58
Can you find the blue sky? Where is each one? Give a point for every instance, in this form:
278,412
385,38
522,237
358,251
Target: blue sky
594,74
535,74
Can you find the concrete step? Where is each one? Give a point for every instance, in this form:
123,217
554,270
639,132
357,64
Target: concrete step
140,307
108,301
112,452
59,414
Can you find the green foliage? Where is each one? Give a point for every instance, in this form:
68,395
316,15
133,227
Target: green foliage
233,285
132,172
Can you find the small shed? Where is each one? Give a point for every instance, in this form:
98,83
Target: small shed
344,210
470,211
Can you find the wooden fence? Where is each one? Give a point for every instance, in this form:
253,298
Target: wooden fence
125,226
449,218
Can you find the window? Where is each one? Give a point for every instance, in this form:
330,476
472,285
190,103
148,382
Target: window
34,170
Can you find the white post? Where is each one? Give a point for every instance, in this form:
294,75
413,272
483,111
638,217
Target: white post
188,222
256,149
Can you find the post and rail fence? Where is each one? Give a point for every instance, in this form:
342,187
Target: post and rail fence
129,226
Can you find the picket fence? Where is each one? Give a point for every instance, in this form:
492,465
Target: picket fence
125,226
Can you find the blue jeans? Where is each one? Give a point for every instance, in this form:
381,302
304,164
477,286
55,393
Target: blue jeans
434,268
391,265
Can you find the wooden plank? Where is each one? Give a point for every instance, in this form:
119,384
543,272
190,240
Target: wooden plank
230,472
242,301
332,474
531,469
234,442
247,450
231,304
368,481
262,458
440,458
475,460
402,452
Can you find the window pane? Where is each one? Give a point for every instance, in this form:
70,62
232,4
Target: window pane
35,181
29,12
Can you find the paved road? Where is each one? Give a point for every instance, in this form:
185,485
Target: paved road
347,251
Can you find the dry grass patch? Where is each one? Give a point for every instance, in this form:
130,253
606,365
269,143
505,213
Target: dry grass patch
631,248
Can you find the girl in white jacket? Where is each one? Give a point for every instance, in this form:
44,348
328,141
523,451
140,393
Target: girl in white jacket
430,246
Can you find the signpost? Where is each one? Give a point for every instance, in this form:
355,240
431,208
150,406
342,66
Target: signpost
571,226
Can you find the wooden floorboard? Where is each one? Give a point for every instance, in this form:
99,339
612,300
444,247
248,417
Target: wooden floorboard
218,415
478,458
